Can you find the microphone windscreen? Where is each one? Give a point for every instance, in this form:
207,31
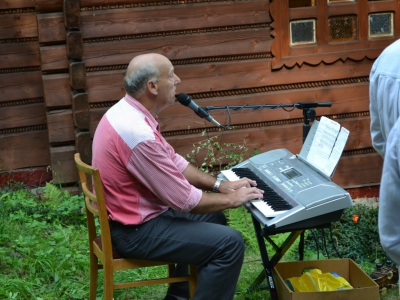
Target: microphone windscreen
183,99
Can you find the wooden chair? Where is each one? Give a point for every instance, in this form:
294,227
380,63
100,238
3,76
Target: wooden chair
101,253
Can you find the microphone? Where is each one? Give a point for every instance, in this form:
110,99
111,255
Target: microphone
201,112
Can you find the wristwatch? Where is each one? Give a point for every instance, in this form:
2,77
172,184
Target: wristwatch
216,185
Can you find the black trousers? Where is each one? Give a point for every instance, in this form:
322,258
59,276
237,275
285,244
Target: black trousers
202,240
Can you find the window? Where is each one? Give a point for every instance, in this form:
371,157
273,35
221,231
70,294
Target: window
313,31
380,25
302,32
342,29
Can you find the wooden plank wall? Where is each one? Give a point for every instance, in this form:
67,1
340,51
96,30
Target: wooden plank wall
221,51
24,142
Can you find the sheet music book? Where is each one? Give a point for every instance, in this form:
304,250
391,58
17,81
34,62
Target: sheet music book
324,145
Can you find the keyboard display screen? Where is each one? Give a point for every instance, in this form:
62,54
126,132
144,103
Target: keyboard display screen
291,173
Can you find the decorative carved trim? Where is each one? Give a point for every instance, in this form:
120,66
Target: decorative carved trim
358,151
351,115
23,129
102,104
21,102
283,87
17,11
208,60
19,40
20,70
151,4
176,33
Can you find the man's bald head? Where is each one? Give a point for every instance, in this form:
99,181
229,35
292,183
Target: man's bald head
141,69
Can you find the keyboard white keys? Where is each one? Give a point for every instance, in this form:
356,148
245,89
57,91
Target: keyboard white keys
265,209
230,175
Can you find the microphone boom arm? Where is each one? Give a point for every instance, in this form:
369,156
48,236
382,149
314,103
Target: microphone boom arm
299,105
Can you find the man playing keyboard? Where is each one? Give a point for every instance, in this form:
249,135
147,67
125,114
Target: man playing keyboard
155,199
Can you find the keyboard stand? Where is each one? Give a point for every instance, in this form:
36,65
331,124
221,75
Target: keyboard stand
297,229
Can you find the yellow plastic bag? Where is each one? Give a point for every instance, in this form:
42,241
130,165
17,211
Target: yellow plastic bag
315,281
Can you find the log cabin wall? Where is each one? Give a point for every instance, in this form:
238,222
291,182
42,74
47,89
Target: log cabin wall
63,64
24,141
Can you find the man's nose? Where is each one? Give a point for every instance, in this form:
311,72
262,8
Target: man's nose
177,80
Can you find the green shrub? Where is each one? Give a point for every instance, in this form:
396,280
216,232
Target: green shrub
350,238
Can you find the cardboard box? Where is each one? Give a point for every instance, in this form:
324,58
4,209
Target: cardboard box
363,286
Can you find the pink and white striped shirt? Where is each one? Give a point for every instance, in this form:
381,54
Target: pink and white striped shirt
140,171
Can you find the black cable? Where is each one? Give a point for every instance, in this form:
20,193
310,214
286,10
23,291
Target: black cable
316,242
333,242
324,242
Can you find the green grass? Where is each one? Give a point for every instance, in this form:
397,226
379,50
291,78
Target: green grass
44,250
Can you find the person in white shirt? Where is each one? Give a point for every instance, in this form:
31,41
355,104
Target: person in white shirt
384,92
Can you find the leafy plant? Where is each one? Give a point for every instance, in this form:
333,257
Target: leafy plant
215,156
355,236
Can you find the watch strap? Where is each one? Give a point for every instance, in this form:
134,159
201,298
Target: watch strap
216,185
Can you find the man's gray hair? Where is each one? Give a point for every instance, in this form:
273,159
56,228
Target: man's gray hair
135,84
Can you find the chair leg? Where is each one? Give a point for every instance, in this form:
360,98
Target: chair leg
93,273
193,280
108,283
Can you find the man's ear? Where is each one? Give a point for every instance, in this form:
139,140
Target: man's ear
152,87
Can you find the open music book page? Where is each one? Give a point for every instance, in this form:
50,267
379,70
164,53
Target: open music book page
327,145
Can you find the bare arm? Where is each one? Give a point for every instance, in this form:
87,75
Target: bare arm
232,193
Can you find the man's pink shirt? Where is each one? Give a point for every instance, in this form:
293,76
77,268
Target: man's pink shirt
140,171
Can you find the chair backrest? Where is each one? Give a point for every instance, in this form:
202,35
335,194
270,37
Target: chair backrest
95,206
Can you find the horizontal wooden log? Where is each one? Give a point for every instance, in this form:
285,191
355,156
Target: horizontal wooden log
359,170
47,6
170,18
17,4
108,86
61,126
24,150
105,86
57,90
51,28
19,55
18,26
54,58
246,74
22,85
274,137
63,164
178,117
22,116
195,46
122,22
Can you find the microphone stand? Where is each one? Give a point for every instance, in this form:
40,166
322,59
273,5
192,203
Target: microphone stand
307,107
